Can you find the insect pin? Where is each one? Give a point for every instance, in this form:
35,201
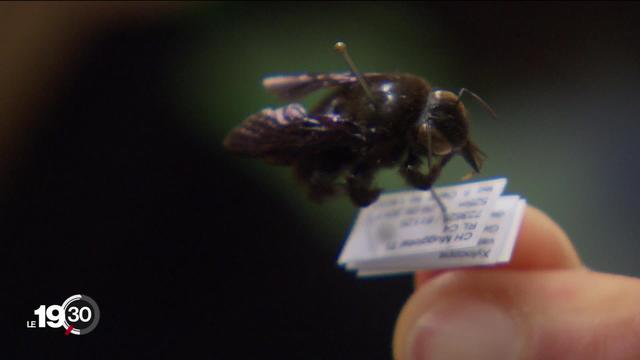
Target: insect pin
367,122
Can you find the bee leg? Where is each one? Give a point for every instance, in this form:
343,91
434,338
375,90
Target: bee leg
410,170
468,176
360,186
322,186
319,177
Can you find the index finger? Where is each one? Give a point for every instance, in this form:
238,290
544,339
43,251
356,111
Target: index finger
541,244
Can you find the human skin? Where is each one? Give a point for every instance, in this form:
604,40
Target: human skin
545,304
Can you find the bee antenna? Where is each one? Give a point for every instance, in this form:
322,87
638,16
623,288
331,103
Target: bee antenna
341,48
479,100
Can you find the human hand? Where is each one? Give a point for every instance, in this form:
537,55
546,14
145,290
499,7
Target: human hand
543,305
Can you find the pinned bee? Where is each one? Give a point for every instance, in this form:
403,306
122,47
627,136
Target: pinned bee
369,121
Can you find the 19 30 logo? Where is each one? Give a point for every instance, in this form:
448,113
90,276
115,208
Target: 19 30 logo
78,315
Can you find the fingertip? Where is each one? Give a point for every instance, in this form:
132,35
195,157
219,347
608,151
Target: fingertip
527,314
422,277
541,244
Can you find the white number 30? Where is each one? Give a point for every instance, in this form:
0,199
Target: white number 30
84,314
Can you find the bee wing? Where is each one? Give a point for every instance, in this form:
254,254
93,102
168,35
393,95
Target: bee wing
281,135
291,87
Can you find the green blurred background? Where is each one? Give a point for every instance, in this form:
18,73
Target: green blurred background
562,78
114,182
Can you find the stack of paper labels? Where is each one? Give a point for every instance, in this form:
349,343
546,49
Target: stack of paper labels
405,231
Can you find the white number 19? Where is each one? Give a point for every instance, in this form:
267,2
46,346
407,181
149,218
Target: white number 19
55,315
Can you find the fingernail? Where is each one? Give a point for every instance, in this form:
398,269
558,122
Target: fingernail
465,330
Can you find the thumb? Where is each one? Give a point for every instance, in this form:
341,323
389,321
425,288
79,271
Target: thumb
544,305
563,314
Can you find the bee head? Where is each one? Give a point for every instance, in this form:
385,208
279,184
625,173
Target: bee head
443,126
444,105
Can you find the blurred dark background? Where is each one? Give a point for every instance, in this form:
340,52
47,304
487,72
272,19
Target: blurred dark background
114,183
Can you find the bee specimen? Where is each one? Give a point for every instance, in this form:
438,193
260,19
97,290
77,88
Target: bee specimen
368,121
